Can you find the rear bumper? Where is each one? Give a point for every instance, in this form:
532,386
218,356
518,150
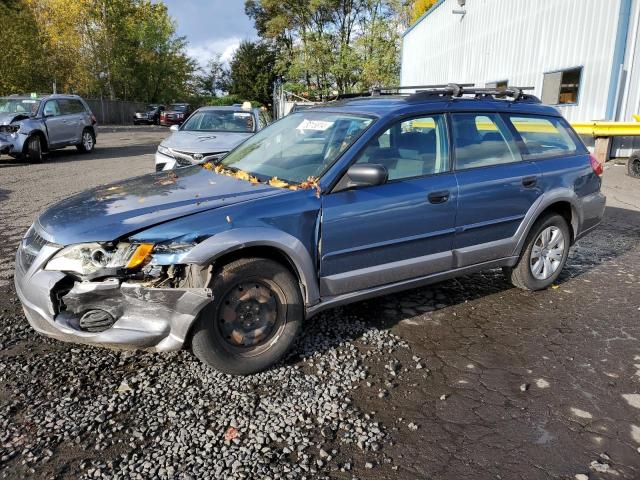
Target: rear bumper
150,318
592,212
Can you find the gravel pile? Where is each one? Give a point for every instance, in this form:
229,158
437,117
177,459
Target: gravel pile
168,416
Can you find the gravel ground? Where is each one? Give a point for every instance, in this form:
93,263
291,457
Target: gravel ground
469,378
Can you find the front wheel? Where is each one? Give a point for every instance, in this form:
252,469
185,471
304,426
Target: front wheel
545,254
34,149
633,165
256,314
88,141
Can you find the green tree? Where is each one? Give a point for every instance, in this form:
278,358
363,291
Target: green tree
252,72
214,79
19,35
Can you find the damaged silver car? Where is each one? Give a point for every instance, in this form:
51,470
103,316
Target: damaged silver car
32,126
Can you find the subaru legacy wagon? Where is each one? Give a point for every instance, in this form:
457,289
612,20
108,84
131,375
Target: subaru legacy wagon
327,206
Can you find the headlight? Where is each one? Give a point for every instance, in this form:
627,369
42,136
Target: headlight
165,151
90,258
10,129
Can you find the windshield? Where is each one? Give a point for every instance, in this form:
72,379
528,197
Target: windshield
299,146
178,108
220,121
19,105
152,107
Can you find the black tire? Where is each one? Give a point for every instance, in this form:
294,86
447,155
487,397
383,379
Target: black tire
87,142
633,165
522,275
33,149
216,337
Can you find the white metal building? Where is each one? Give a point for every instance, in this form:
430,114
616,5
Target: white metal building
581,55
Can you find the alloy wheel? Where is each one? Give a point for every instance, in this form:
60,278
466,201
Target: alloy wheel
547,253
87,141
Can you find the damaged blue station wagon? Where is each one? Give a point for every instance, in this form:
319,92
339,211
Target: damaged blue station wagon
327,206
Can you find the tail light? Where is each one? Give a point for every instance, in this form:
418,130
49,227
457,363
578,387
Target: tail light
596,166
93,119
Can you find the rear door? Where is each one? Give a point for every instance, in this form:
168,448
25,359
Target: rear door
497,187
402,229
75,119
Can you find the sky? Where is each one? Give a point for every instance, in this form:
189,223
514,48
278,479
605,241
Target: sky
211,26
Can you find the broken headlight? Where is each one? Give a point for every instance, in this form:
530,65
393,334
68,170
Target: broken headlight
9,129
89,258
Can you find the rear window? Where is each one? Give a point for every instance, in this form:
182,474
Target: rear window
482,140
544,136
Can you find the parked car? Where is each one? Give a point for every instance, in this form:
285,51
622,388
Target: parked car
149,117
209,134
633,165
32,126
175,114
322,208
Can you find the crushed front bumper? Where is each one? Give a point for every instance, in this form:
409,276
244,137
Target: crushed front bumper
6,146
145,317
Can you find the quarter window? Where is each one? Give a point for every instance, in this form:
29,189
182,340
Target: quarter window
544,136
411,148
481,140
562,88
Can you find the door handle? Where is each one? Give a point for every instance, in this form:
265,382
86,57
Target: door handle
439,197
529,182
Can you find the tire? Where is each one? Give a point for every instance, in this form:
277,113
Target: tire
633,165
526,275
88,141
265,291
33,149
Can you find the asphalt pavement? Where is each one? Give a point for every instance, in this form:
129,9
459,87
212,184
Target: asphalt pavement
467,379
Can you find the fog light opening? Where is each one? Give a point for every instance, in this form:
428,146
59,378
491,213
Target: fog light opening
96,321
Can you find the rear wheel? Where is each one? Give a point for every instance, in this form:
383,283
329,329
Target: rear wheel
88,141
34,149
545,254
633,165
253,320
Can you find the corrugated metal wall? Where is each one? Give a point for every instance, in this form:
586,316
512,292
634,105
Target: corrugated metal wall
519,41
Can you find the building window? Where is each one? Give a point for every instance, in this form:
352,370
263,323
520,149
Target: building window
561,88
501,85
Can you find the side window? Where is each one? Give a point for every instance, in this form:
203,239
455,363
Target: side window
77,106
482,139
51,108
411,148
543,136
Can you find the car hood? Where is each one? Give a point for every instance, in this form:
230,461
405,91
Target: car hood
7,117
205,142
110,212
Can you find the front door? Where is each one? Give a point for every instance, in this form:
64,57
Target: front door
55,122
397,231
496,187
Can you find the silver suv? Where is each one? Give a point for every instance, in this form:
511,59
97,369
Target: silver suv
32,126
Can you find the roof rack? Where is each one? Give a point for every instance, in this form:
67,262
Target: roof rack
454,90
448,91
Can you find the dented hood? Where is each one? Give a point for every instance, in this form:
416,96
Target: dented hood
113,211
7,117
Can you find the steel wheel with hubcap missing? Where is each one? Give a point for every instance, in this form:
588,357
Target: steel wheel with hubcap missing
256,314
547,253
247,317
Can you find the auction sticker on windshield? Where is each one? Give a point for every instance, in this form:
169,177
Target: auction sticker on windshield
318,125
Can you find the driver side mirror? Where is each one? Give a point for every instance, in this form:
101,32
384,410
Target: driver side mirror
174,128
366,175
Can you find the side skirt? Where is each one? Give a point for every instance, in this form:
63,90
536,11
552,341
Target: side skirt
337,300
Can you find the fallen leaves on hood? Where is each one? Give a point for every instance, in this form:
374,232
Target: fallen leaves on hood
308,184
